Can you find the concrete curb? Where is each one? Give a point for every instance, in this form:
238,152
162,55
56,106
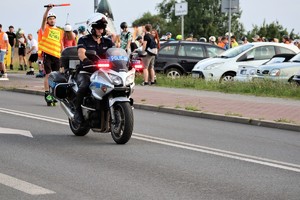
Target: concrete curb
199,114
214,116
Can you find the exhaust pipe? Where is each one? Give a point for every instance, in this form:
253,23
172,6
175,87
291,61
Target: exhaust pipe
67,110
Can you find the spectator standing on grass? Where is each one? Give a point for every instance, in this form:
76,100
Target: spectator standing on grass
256,38
3,51
118,41
41,73
212,40
69,39
149,45
76,35
190,37
22,50
126,37
51,45
233,42
81,31
156,37
244,40
224,43
286,39
137,43
169,36
33,51
12,38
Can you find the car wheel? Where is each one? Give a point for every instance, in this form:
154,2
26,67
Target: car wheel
227,77
173,73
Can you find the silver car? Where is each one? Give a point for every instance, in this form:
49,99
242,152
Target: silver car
246,73
279,71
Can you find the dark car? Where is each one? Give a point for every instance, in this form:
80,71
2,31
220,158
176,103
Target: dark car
176,58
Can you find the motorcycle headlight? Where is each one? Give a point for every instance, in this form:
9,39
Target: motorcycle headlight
130,79
116,80
213,66
275,72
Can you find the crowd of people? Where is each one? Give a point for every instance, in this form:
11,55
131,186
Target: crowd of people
231,41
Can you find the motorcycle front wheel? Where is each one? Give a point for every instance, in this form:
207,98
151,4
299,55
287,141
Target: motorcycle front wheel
121,129
79,129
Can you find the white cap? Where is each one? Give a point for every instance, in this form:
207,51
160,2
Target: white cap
68,27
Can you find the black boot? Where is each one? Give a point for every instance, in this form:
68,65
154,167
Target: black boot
25,67
31,71
21,68
11,67
78,116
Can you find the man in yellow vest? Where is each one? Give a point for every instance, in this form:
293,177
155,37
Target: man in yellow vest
3,52
51,44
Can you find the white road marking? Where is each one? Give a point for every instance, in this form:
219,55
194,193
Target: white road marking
178,144
15,132
23,185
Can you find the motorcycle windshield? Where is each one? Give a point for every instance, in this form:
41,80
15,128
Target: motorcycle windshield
119,59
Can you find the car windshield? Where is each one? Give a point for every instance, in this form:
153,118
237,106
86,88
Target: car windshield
275,60
296,58
235,51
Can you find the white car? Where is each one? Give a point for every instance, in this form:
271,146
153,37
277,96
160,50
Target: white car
246,73
224,67
285,71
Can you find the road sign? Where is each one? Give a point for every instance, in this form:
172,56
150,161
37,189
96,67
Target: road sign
228,5
181,9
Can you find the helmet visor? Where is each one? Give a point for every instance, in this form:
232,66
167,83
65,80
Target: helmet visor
99,26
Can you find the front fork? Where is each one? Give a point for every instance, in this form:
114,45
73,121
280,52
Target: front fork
112,102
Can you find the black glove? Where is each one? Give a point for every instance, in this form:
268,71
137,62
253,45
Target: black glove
87,61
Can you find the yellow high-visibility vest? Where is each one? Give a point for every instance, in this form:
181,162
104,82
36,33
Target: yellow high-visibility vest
50,42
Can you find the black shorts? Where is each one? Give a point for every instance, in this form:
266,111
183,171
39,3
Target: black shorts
51,63
33,57
21,52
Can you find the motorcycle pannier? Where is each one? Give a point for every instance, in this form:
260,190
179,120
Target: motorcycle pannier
58,85
69,58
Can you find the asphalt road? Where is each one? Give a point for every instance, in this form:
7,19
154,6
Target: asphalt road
168,157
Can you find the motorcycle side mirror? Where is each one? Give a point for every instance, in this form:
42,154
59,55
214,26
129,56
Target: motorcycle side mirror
90,52
92,55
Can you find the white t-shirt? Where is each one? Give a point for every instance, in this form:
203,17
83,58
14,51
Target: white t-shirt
21,40
33,43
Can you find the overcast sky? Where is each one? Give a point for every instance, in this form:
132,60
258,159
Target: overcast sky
28,14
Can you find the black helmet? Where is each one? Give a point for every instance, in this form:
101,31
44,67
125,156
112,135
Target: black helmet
123,25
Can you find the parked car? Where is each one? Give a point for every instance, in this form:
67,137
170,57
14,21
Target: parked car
246,73
279,71
296,78
224,67
176,58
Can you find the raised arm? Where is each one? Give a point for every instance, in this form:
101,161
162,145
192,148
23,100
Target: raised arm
50,6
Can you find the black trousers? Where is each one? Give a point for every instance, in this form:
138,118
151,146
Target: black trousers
83,83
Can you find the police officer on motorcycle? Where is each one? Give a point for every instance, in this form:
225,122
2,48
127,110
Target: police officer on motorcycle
96,42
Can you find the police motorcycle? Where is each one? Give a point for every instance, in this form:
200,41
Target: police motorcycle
109,106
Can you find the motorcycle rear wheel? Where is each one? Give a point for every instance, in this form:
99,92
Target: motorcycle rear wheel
79,129
121,129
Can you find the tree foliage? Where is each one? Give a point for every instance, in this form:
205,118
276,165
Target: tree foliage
204,19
